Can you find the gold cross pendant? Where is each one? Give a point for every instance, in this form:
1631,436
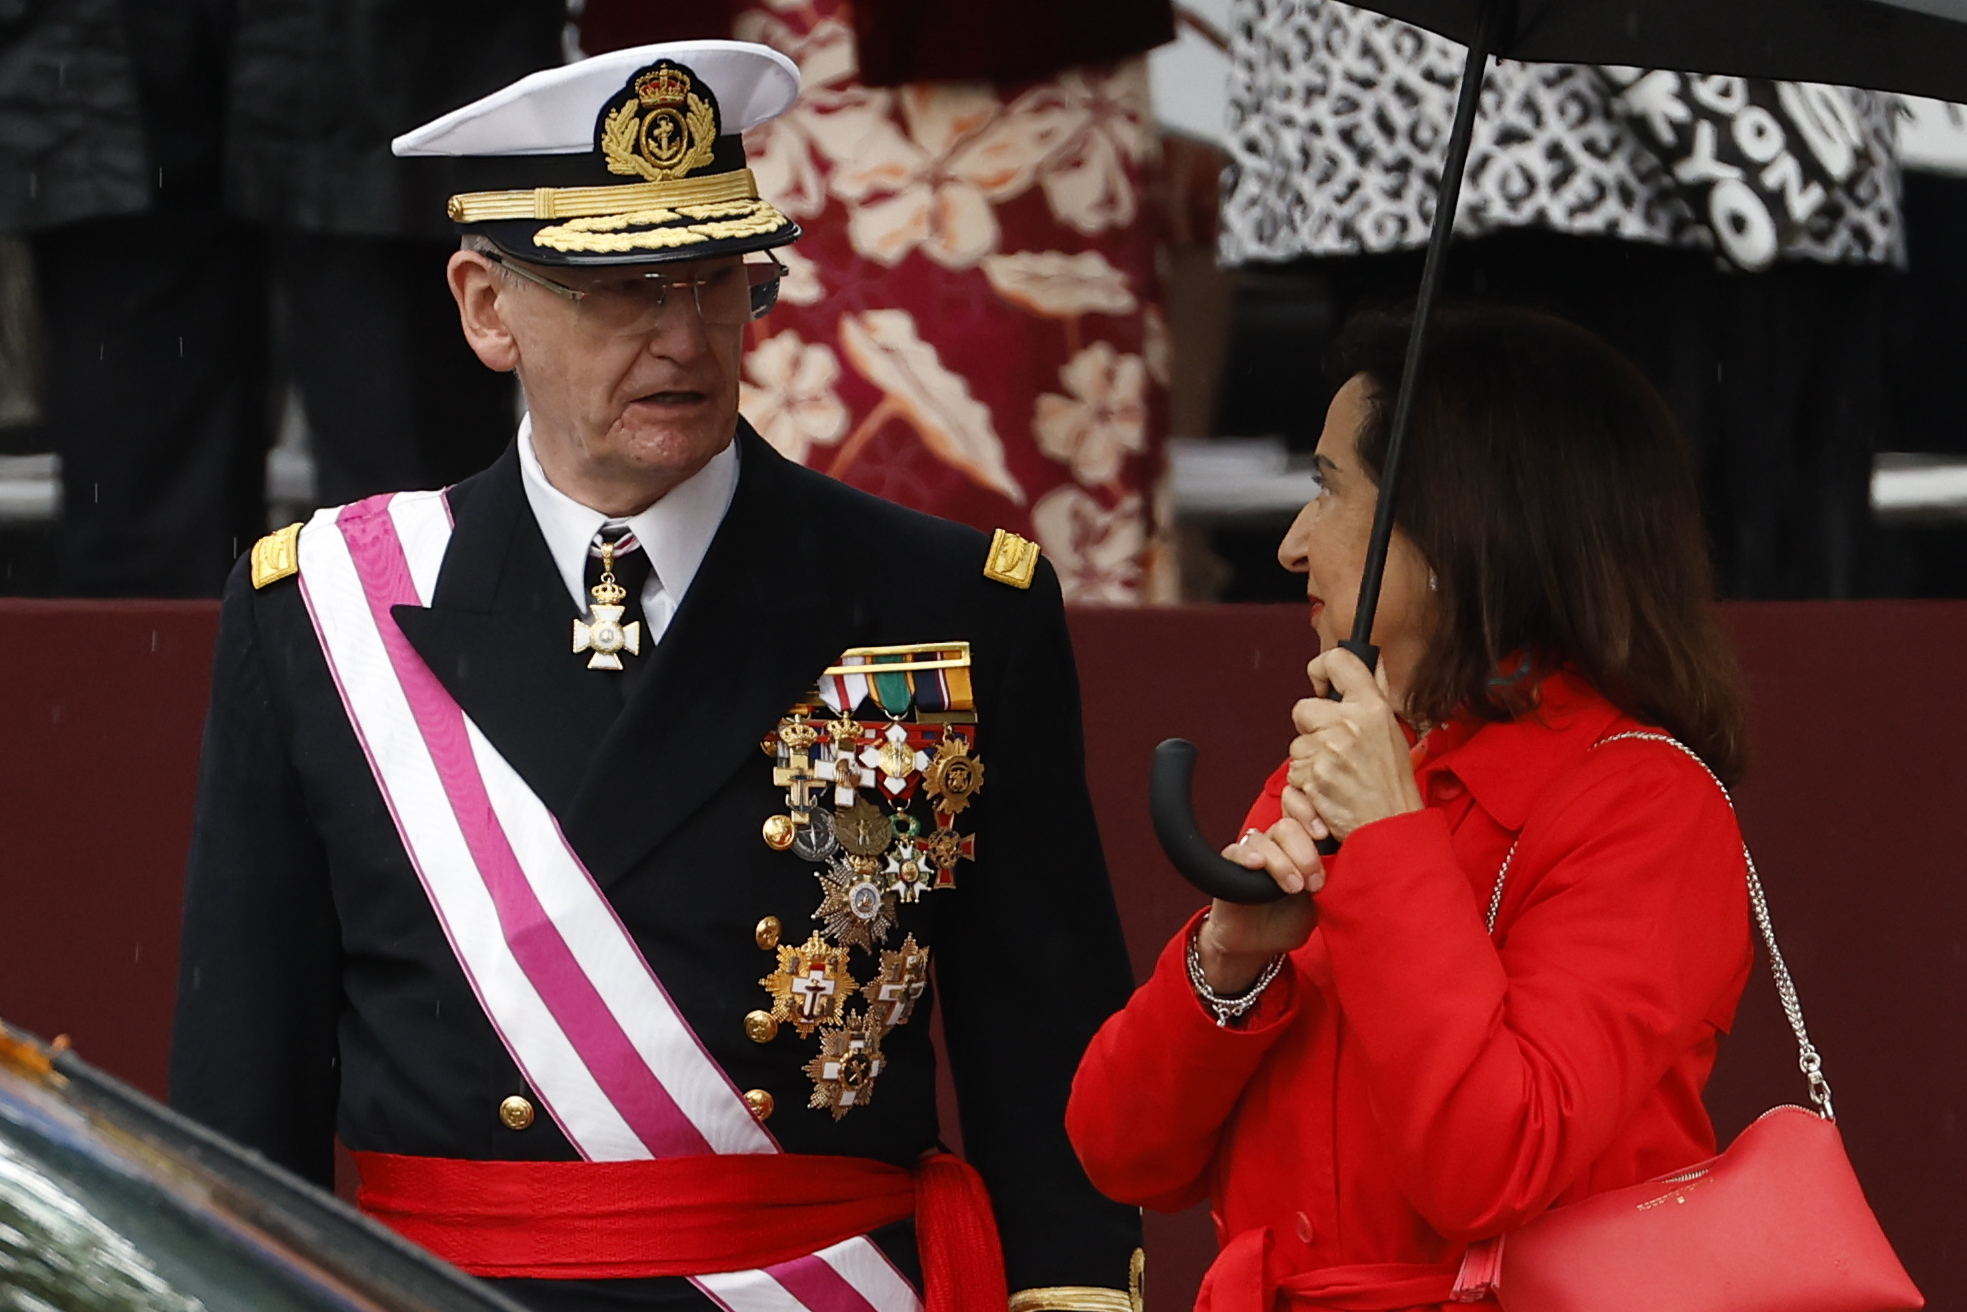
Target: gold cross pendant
608,637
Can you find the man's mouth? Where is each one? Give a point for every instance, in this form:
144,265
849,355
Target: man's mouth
676,398
1317,604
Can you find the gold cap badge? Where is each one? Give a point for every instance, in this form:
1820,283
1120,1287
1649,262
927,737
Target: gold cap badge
661,129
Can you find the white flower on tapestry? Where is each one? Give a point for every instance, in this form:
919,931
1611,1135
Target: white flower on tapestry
802,284
780,153
1060,286
1102,421
929,181
788,395
1108,129
1096,551
954,426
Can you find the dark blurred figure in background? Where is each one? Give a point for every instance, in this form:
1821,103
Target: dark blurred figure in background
208,193
1736,237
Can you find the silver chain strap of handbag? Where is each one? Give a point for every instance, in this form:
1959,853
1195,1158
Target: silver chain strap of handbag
1807,1059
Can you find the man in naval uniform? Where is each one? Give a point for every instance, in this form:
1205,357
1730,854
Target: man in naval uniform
584,844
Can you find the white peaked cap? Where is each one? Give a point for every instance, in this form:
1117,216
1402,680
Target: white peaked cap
552,112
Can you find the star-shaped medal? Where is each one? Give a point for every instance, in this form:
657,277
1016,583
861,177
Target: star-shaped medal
850,1059
856,910
893,993
811,985
954,776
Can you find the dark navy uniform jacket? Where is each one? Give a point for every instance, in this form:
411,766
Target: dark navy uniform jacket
318,996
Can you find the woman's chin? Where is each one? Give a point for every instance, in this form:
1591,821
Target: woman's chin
1320,625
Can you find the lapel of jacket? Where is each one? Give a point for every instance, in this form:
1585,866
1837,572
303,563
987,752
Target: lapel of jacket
496,634
756,628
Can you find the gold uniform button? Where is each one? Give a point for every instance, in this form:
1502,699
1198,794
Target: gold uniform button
759,1026
516,1113
779,832
760,1103
767,933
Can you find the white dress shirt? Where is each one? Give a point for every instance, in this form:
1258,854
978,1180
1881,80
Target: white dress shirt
675,532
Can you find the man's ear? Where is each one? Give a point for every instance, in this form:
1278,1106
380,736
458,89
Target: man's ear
475,284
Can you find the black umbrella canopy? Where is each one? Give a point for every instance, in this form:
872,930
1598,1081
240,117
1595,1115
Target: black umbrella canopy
1913,46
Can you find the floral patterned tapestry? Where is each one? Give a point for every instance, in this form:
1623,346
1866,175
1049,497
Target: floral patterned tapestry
969,326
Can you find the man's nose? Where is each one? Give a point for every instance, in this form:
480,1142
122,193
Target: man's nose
680,332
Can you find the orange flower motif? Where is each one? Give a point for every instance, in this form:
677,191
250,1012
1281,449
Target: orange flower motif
1103,421
788,395
954,426
1107,126
1061,286
1096,551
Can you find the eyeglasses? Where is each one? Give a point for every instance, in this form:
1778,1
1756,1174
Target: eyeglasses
631,304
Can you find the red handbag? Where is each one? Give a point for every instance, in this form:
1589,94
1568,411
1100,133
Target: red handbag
1777,1223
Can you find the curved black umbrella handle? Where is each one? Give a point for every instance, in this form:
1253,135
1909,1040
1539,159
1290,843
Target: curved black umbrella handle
1170,794
1168,802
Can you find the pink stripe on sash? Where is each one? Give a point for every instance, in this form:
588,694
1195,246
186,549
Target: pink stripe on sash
817,1285
535,940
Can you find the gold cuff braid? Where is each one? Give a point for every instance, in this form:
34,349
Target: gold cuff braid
1072,1298
545,203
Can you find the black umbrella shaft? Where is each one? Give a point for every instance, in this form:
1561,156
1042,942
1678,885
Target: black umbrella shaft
1488,29
1174,760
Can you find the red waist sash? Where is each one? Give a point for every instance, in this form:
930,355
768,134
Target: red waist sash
1247,1277
687,1216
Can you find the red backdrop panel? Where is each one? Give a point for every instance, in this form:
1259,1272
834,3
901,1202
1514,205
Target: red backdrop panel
101,705
1852,808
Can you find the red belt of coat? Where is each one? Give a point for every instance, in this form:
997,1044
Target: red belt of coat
1245,1277
687,1216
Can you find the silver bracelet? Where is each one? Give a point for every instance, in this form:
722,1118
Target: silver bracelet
1225,1009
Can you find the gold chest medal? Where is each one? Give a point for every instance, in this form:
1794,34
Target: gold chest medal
873,804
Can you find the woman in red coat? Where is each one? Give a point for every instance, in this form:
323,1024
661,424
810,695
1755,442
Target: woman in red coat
1364,1077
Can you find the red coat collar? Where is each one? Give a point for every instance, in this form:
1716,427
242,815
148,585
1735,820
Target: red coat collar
1508,766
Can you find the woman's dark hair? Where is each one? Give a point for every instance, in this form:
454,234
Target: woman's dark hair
1554,497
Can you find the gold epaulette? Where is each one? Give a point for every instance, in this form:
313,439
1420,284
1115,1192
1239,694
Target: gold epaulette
1012,559
276,556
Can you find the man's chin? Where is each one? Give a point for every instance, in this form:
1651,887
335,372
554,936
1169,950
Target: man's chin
669,437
